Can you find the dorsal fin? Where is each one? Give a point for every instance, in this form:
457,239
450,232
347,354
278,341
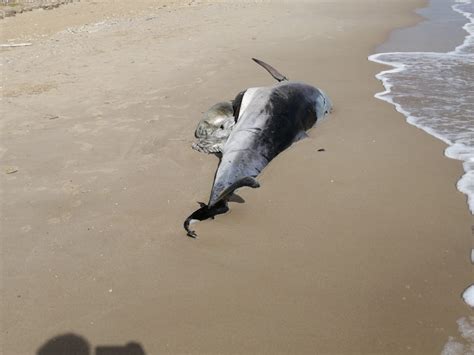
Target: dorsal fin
273,72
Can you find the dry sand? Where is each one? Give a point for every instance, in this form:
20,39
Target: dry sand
363,248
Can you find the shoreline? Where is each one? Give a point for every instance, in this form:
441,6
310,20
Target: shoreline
396,92
349,250
456,148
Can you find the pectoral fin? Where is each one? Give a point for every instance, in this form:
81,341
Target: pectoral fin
246,181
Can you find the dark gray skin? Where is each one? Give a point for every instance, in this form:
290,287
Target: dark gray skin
268,120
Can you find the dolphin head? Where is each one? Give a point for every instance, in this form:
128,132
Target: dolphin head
323,105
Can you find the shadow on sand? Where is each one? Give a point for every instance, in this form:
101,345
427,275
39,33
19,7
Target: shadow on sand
72,344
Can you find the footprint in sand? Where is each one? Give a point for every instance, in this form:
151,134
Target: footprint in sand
63,218
78,128
54,220
85,147
71,188
76,203
26,229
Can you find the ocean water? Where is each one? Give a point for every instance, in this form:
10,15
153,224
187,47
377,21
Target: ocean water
435,92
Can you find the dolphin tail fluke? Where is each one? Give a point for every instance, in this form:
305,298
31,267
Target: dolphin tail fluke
246,181
273,72
203,213
219,206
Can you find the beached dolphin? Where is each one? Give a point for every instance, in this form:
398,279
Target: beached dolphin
267,120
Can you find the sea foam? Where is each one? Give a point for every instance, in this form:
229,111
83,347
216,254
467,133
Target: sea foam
468,296
435,91
464,344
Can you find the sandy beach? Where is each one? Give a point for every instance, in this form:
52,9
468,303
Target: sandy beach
361,249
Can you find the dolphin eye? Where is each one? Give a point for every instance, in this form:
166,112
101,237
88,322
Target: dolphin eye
222,126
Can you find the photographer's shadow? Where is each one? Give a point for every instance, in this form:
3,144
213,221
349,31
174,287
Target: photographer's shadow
72,344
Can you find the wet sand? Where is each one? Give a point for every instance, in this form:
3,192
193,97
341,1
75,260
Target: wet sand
439,31
363,248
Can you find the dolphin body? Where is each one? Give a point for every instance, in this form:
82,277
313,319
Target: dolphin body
268,120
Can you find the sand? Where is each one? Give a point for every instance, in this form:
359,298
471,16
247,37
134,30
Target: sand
363,248
441,30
